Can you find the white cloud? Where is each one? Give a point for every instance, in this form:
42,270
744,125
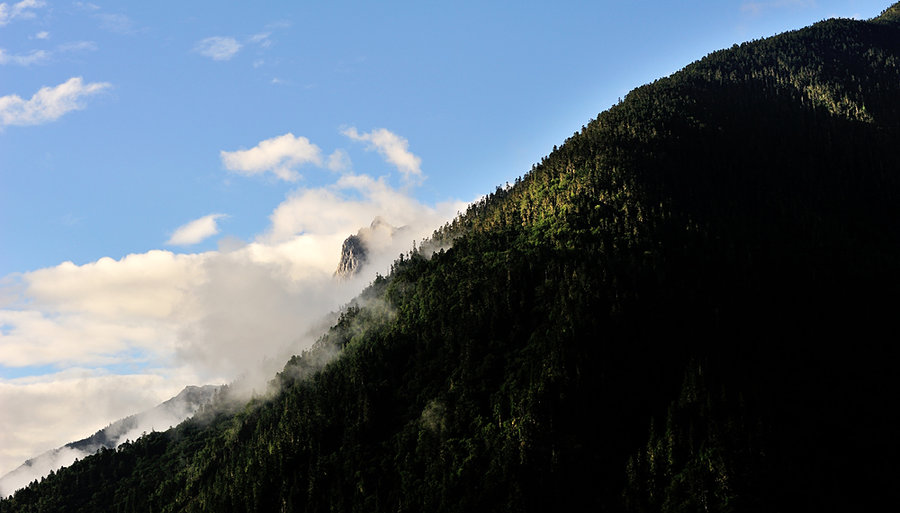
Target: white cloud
42,35
45,338
393,148
195,231
23,10
280,155
139,286
339,161
32,57
312,211
48,104
190,318
207,308
215,313
218,48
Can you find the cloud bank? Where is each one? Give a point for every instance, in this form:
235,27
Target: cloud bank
48,104
81,397
121,335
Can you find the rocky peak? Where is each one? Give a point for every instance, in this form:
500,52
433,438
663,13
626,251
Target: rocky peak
353,256
356,248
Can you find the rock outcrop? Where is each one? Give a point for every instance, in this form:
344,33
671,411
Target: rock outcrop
357,249
353,256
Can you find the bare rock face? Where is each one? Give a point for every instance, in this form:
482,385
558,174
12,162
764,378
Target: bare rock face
163,416
356,248
353,256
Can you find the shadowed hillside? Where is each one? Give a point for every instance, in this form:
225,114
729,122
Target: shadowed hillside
686,306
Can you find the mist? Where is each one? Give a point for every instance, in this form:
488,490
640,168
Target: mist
122,335
160,418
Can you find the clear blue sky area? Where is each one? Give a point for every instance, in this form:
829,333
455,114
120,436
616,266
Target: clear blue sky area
481,91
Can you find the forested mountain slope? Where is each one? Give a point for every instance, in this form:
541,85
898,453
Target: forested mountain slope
689,305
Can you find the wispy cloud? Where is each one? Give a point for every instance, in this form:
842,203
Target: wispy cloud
48,104
117,23
261,39
70,219
223,48
87,6
42,56
393,148
196,231
279,155
197,317
78,46
32,57
218,48
24,10
42,35
756,8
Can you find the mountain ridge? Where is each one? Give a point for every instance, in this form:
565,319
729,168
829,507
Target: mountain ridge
680,308
162,416
889,15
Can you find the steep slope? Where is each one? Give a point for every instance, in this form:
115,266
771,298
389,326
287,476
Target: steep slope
687,306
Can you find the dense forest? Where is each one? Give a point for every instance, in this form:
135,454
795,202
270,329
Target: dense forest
690,305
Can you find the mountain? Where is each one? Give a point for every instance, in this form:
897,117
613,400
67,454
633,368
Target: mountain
687,306
353,256
356,249
161,417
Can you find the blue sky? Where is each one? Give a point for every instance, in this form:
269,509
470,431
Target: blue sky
480,91
170,167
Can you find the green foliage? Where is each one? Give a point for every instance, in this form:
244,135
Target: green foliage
890,15
741,213
707,456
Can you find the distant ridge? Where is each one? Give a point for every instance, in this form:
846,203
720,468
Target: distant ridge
158,418
889,15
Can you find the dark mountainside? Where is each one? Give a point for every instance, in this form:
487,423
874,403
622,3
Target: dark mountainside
688,306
